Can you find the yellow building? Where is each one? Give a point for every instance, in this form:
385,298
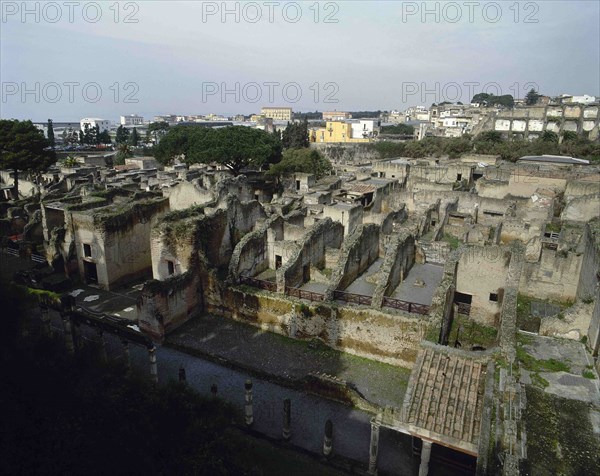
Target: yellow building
277,113
335,131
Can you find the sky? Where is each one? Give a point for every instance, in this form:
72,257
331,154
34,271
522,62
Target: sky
69,60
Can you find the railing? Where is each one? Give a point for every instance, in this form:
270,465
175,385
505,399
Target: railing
353,298
259,283
12,251
463,308
38,258
303,294
411,307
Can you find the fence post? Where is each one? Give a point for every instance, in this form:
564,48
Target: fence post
287,419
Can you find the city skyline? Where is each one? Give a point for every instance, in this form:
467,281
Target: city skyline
198,59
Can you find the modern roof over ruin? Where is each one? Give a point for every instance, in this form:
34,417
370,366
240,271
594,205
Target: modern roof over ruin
554,159
444,403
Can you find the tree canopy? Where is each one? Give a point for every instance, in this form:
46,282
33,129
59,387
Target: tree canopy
301,160
532,97
491,142
23,148
490,100
234,147
122,135
51,140
295,135
403,129
134,137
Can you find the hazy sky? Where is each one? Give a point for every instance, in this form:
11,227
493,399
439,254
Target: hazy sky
158,57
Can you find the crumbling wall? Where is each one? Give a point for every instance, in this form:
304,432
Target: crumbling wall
249,257
187,194
589,277
311,252
517,230
165,305
441,310
555,276
359,251
581,209
579,188
399,258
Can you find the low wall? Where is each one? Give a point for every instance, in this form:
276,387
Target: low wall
386,337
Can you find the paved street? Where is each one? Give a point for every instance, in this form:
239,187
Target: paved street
381,383
309,412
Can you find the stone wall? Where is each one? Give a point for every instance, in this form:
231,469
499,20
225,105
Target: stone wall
555,276
386,337
164,305
590,266
187,194
311,252
578,188
530,122
359,251
121,250
347,153
399,258
482,272
582,209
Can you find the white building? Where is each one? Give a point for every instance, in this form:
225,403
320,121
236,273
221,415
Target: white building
585,99
364,128
92,122
132,120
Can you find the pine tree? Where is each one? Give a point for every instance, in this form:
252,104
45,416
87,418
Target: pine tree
532,97
134,138
51,140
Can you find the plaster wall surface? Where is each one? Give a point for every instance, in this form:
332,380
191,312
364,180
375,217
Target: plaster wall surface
482,272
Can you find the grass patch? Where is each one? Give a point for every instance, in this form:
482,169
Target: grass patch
539,381
587,373
469,333
432,334
452,240
560,436
40,294
534,365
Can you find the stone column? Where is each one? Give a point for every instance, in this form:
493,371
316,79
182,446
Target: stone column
182,377
249,416
125,343
103,353
374,447
46,327
328,440
425,455
287,419
70,345
153,367
77,334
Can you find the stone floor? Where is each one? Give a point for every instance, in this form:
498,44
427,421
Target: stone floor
430,274
363,285
315,287
571,384
380,383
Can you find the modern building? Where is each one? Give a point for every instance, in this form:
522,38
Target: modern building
170,118
277,113
355,130
132,120
336,116
585,99
92,122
